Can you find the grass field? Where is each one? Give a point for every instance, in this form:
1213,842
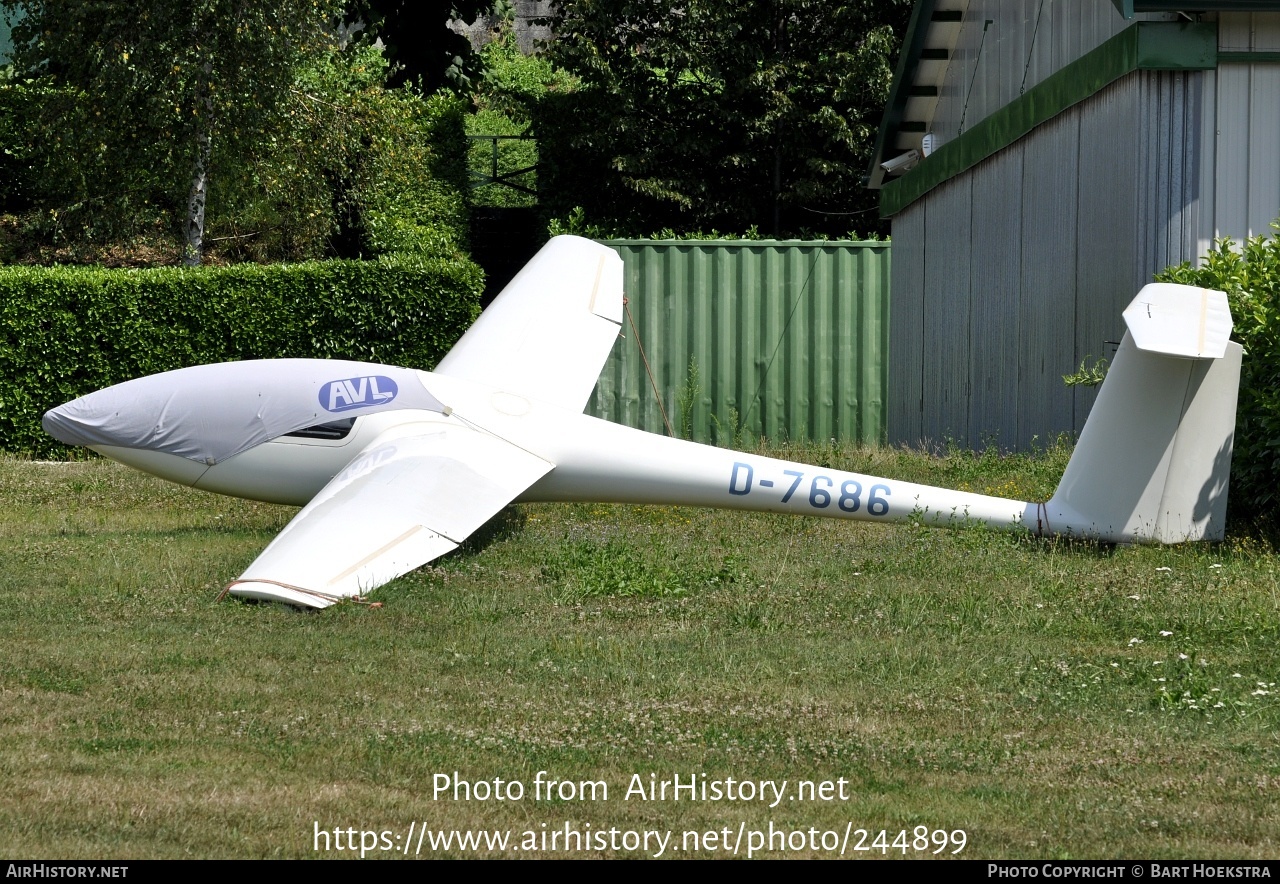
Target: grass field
1048,699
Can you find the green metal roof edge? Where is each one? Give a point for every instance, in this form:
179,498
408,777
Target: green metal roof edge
1147,46
1128,7
1247,57
912,44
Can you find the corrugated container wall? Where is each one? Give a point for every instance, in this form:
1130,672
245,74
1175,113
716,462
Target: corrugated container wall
752,339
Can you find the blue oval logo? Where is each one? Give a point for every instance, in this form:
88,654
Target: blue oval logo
350,393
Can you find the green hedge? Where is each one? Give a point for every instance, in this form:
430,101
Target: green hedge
66,331
1250,275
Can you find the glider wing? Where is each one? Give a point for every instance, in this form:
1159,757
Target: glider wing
547,335
401,503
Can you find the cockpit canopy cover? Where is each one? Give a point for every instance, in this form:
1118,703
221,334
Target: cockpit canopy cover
209,413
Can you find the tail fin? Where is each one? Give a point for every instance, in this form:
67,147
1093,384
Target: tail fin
1154,457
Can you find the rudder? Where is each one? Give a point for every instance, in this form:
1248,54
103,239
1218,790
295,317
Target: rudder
1153,460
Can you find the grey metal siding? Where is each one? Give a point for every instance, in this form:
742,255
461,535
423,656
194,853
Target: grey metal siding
784,340
1016,54
945,377
906,326
1248,31
1107,268
995,284
1048,239
1169,127
1242,163
1240,125
1048,245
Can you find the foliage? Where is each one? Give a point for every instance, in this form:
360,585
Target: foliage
426,52
514,153
687,397
363,171
1087,375
331,163
65,331
399,173
157,99
19,104
514,83
415,199
506,99
708,114
1250,275
575,223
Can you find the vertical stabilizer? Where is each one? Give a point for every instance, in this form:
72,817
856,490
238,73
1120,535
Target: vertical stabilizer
1153,460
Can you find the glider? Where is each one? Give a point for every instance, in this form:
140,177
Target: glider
394,467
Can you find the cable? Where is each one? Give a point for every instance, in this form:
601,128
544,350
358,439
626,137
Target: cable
756,396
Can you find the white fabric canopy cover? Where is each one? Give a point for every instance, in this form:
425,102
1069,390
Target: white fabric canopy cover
208,413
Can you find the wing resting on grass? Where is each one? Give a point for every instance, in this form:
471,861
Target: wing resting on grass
401,503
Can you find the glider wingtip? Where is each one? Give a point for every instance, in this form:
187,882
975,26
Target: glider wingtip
270,591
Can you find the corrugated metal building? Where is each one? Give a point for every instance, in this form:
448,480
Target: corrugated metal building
1066,150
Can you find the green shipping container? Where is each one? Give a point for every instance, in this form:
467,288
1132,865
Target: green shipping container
750,340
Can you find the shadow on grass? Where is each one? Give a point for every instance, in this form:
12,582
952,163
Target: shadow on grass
1085,547
509,522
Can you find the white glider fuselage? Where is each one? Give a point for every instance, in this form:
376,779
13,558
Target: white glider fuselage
595,460
394,467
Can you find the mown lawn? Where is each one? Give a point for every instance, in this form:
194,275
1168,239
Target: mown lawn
1049,699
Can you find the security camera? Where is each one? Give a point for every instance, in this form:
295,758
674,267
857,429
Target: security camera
901,163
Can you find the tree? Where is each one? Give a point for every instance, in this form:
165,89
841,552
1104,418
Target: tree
705,114
424,50
355,170
154,98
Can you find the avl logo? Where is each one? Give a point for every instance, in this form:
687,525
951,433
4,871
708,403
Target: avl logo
352,393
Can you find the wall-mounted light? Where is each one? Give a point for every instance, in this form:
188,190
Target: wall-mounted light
902,163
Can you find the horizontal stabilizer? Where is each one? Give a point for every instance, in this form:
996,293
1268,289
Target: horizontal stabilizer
1180,320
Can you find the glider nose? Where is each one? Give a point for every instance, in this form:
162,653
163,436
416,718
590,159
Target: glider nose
118,422
95,419
210,413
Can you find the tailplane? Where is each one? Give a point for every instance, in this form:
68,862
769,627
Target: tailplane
1154,457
